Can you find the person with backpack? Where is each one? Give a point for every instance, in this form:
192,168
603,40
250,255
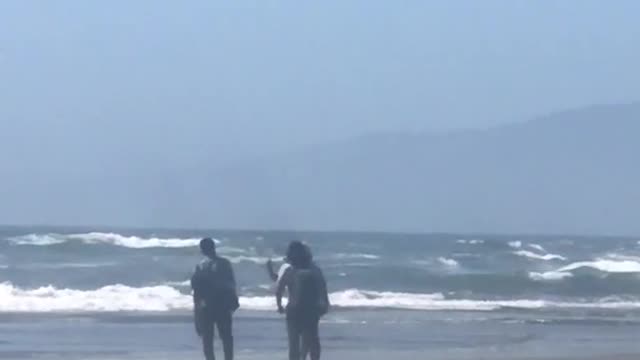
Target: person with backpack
276,276
308,301
214,300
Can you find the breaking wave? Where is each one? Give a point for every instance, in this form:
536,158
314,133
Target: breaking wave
550,276
345,256
106,299
164,298
609,265
448,262
605,265
38,240
252,259
133,242
470,241
515,244
537,247
545,257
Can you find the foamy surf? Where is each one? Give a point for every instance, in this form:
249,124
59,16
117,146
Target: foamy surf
537,247
470,241
609,265
111,298
545,257
259,260
133,242
605,265
164,298
448,262
550,276
38,239
345,256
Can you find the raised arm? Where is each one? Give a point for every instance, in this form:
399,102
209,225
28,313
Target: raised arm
281,286
272,274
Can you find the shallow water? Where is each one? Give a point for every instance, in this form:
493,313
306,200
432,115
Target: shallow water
367,335
121,294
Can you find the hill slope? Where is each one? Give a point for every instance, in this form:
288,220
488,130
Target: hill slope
570,172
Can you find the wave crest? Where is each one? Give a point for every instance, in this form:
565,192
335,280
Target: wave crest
515,244
470,241
545,257
164,298
610,265
345,256
550,276
111,298
38,239
133,242
448,262
605,265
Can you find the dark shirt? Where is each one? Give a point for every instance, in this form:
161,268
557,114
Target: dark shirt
214,284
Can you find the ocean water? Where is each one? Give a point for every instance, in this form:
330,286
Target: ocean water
123,294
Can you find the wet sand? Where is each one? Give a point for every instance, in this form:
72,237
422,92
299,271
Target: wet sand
263,338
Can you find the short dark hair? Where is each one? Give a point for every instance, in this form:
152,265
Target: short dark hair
208,246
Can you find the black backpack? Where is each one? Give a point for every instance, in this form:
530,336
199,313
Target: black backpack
307,294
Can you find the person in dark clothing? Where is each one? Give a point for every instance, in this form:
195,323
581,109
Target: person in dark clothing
214,300
308,301
275,276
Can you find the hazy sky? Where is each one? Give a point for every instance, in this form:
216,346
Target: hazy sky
290,71
97,93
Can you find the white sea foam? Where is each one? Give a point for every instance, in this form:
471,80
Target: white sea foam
354,298
68,265
470,242
107,299
164,298
231,250
615,256
448,262
550,276
345,256
612,264
184,283
545,257
133,242
605,265
38,240
266,286
515,244
252,259
537,247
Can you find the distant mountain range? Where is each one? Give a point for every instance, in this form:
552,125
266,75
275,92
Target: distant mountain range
571,172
